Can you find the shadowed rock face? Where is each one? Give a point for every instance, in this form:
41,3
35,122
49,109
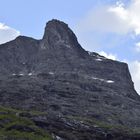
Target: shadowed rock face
56,75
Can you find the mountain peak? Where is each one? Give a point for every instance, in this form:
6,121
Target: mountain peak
69,88
58,32
56,22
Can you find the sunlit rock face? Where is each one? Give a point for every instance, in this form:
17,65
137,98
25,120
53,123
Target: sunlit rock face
56,75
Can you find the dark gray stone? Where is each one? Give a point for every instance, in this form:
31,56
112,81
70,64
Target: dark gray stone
56,75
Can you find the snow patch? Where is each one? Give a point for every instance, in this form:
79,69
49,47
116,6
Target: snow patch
99,59
58,138
30,74
68,46
95,78
103,80
110,81
51,73
90,53
22,74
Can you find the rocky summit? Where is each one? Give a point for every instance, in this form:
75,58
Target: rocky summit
52,89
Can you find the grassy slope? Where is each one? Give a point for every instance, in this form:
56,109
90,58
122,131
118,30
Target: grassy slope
9,119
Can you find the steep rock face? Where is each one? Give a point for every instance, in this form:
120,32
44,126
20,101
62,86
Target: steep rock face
18,55
56,75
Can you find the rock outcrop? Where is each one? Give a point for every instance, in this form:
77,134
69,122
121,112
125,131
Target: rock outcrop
79,90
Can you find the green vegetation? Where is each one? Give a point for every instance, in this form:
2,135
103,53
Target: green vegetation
11,110
15,127
106,126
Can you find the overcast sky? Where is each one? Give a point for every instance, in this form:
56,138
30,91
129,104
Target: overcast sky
110,27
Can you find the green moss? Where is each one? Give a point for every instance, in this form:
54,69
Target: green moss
35,112
9,117
24,135
13,111
107,126
7,110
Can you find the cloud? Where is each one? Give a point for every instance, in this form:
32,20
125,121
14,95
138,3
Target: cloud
129,15
109,56
137,48
134,68
113,18
135,72
108,20
7,33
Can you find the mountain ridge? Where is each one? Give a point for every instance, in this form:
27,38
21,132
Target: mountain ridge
57,76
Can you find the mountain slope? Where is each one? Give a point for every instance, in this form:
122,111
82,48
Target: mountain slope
76,88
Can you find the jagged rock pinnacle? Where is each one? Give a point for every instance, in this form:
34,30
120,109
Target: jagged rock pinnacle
57,76
57,31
